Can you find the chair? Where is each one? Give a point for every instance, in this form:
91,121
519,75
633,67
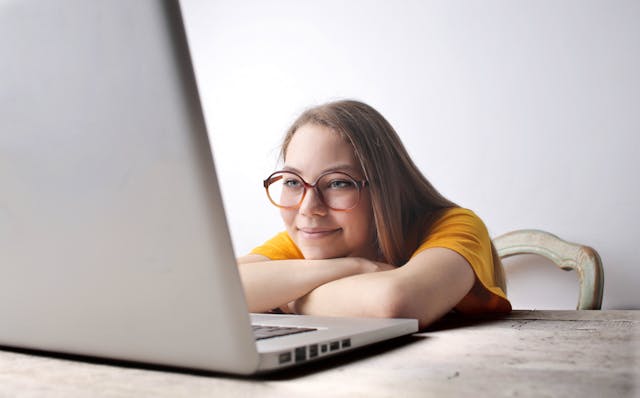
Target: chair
566,255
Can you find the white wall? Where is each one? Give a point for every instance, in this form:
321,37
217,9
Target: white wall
525,111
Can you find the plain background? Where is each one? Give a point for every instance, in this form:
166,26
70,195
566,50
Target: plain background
527,112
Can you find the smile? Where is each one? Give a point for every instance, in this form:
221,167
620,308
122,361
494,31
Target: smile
316,233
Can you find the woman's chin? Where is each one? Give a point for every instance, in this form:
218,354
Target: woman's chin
319,254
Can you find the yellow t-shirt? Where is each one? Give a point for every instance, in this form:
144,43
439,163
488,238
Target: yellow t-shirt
458,229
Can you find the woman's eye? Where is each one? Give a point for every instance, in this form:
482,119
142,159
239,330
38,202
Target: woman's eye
290,183
340,184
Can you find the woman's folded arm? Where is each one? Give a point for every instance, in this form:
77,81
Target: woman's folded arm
272,284
425,288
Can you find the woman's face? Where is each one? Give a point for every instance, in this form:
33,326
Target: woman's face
319,231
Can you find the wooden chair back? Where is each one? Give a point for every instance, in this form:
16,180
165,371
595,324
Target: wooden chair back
566,255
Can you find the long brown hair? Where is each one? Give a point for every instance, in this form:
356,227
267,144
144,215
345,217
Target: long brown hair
404,202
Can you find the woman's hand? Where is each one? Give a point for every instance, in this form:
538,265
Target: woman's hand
366,266
277,284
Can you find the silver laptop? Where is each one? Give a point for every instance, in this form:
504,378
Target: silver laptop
113,237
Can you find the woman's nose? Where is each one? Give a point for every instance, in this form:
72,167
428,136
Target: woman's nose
312,204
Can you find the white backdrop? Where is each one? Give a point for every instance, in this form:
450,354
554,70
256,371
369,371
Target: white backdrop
527,112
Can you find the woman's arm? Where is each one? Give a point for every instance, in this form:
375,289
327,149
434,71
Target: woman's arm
272,284
425,288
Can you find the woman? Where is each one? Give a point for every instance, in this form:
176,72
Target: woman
366,233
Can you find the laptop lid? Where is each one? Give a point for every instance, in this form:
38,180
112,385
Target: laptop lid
113,238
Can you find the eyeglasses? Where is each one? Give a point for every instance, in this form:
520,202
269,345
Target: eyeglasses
337,190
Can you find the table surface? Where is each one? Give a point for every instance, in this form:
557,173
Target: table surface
528,353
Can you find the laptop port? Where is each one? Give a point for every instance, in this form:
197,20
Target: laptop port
285,357
334,345
313,351
346,343
323,348
301,354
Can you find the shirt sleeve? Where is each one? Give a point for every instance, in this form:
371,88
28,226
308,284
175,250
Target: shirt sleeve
280,247
462,231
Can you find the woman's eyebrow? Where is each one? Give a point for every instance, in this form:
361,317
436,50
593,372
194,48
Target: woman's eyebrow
343,168
289,168
339,167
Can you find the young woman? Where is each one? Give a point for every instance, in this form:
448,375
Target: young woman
366,234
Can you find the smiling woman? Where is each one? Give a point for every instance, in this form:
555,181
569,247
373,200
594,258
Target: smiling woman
320,231
369,236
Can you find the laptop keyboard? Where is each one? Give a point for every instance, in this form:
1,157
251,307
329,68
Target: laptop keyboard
266,332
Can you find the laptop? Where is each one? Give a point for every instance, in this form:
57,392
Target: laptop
113,237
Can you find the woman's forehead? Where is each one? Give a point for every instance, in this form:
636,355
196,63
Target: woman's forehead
314,149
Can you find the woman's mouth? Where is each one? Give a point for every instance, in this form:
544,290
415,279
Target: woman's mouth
317,233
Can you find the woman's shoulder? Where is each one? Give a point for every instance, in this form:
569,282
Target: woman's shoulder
457,217
458,211
454,227
464,232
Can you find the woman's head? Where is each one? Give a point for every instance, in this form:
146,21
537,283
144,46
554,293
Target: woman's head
355,138
328,211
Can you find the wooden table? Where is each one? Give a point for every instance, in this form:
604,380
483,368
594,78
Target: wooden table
528,353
